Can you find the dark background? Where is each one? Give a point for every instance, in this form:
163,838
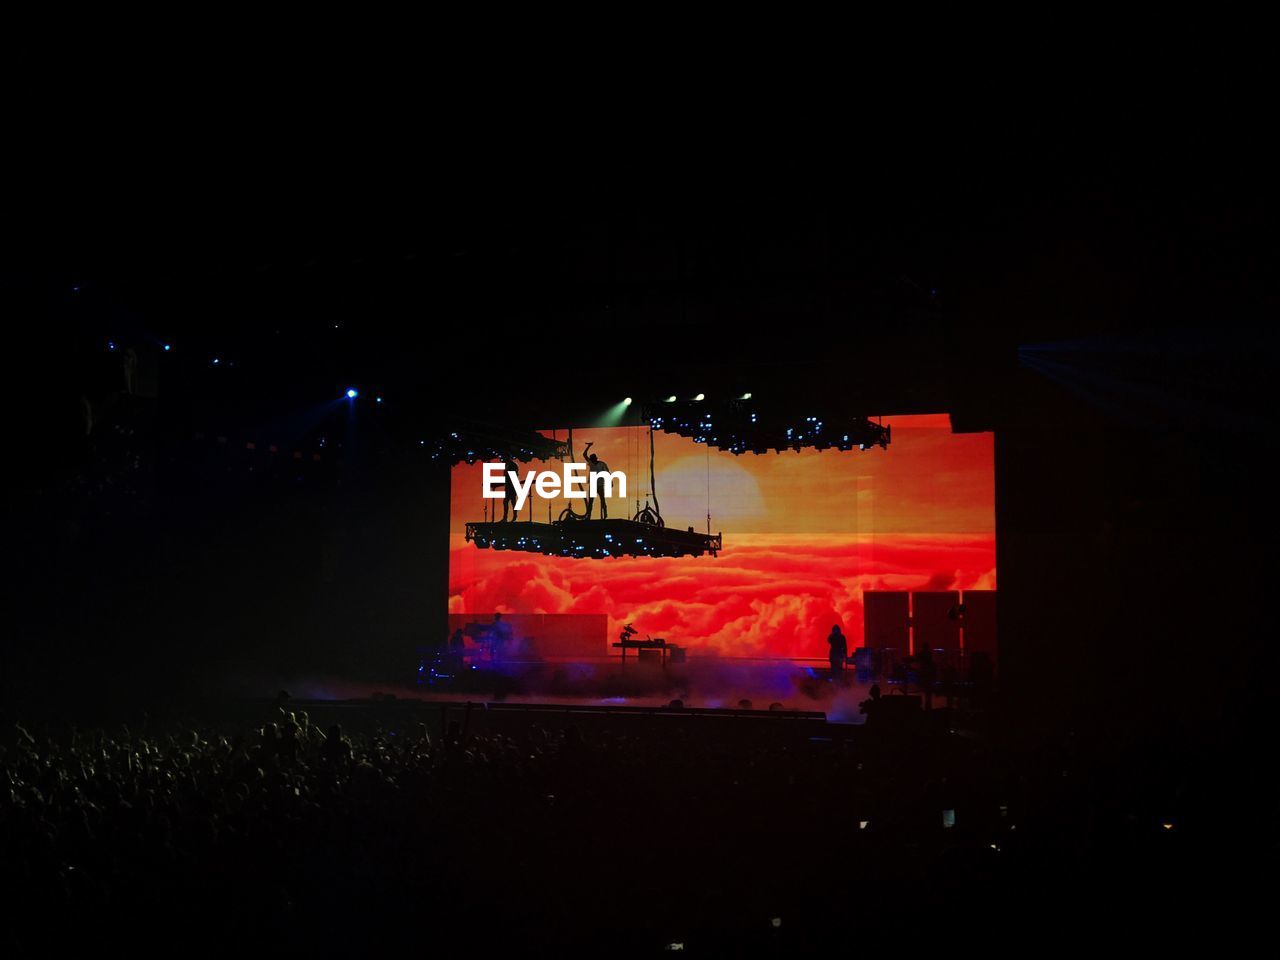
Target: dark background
1098,290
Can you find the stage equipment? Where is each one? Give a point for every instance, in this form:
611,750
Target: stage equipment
650,648
468,442
980,623
865,663
744,425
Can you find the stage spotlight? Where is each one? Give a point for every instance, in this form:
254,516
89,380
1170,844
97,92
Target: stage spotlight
352,393
701,396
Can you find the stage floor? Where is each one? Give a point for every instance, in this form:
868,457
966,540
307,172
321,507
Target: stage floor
699,683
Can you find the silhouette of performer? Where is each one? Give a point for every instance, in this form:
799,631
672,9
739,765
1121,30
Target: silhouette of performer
839,650
594,465
509,488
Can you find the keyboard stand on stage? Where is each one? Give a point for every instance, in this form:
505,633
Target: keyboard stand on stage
658,644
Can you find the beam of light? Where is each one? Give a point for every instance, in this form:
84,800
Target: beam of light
1182,341
1131,399
298,425
614,416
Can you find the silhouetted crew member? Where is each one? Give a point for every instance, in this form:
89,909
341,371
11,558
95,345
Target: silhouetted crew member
509,487
839,650
871,706
594,465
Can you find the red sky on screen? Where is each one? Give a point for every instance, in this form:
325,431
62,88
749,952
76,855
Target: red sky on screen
804,534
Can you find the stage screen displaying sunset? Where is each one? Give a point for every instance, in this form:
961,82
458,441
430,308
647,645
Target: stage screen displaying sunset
805,533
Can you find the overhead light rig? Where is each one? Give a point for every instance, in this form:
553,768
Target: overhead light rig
469,442
595,539
744,425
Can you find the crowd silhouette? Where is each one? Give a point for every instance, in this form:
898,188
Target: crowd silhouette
328,839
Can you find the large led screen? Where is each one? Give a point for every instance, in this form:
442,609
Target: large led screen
805,534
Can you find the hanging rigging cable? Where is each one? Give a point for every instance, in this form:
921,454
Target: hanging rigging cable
651,514
708,491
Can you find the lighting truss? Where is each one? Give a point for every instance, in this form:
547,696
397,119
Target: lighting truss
747,426
593,539
469,442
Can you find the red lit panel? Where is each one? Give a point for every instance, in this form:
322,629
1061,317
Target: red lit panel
885,618
546,636
934,620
